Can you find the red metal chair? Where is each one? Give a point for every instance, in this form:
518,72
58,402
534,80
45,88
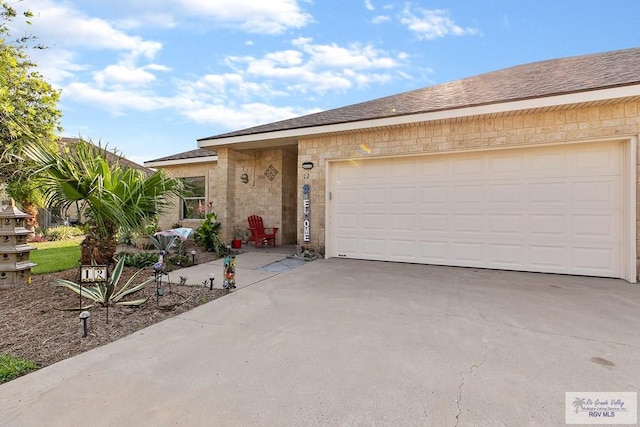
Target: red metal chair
258,233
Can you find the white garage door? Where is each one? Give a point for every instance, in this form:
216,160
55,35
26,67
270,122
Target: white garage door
550,209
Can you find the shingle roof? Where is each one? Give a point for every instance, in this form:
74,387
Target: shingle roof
522,82
111,156
192,154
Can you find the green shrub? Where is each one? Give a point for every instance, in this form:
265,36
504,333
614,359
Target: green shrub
178,260
138,259
62,232
13,367
127,237
207,234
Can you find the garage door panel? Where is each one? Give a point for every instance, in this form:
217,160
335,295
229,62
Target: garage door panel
402,195
507,225
593,260
374,196
434,196
468,253
595,227
468,195
347,222
548,226
550,162
348,246
403,222
468,223
345,197
552,258
506,165
591,161
402,250
373,221
374,171
400,169
508,256
434,222
373,247
437,167
507,194
592,194
433,251
551,194
548,209
465,168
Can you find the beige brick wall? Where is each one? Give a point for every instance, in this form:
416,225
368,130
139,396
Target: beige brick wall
172,215
523,129
272,199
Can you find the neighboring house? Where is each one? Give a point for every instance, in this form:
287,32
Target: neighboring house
54,216
530,168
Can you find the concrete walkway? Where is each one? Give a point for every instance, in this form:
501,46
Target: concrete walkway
251,267
346,342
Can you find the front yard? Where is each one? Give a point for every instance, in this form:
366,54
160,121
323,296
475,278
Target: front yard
36,327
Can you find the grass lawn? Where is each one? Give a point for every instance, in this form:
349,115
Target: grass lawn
55,256
13,367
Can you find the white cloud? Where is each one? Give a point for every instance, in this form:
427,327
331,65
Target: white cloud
430,24
369,5
62,25
57,66
123,74
318,68
380,19
242,116
267,16
114,101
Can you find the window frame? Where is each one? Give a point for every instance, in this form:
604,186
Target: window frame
197,203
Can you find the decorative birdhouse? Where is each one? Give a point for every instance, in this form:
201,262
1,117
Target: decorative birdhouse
15,266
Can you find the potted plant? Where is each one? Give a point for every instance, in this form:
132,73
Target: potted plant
236,243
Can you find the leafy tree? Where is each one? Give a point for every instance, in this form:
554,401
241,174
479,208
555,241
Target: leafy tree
110,195
28,112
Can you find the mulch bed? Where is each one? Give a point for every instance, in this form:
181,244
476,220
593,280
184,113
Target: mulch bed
33,326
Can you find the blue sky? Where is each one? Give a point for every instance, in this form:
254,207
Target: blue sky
149,77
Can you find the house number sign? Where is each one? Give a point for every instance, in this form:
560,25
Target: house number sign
93,273
306,229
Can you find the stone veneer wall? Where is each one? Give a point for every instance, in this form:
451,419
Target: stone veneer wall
260,196
620,119
172,215
290,191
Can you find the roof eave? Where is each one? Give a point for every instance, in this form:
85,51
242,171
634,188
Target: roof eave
291,135
178,162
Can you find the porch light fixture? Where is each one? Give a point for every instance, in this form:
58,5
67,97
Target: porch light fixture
307,165
244,177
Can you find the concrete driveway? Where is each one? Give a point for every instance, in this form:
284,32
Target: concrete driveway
346,342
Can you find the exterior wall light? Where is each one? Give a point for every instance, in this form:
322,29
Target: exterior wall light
307,165
244,177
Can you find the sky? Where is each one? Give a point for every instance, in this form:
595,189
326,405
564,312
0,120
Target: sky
150,77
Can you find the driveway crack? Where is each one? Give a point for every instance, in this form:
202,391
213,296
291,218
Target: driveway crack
462,379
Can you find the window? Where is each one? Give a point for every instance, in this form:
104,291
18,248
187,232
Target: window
194,205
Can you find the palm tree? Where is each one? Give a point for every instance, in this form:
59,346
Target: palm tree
110,196
579,403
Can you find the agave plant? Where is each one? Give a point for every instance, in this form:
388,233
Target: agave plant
107,293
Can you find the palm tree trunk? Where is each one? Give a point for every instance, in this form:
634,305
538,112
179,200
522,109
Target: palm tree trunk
98,249
31,209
